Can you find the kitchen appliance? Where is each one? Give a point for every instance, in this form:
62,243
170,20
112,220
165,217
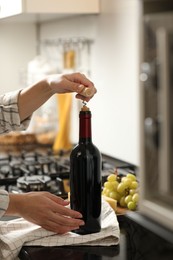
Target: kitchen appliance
24,168
35,171
156,77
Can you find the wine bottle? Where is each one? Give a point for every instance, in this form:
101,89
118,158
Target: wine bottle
85,177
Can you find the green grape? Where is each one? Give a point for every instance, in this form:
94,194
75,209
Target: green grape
128,198
121,188
131,176
115,184
131,205
135,197
112,177
118,196
134,185
127,182
122,179
106,192
113,195
132,192
108,185
122,202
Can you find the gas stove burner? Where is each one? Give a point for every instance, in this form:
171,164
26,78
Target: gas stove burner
34,183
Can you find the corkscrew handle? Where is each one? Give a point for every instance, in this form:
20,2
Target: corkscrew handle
87,92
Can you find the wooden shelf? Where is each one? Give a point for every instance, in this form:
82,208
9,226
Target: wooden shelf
44,10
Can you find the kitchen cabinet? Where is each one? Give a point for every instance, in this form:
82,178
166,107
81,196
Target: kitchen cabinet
17,10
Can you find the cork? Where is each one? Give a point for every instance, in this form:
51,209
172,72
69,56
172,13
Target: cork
88,92
85,108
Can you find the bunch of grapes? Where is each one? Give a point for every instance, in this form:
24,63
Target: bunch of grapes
123,189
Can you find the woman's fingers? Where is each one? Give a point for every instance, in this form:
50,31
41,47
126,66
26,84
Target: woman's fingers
57,228
79,78
62,220
74,82
57,205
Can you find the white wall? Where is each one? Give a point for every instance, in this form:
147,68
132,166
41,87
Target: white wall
116,106
114,70
17,47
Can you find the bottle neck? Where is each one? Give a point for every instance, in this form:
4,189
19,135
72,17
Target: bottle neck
85,134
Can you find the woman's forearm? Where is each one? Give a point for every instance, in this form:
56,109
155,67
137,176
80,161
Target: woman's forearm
31,98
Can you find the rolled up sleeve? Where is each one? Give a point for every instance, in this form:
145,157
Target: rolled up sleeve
9,113
4,202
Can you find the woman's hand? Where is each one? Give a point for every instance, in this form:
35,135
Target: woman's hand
46,210
32,97
74,82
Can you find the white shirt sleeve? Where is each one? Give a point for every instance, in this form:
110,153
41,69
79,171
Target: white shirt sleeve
9,113
4,202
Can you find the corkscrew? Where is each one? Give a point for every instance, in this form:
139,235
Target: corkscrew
84,107
84,103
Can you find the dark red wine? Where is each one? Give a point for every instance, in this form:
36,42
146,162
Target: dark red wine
85,178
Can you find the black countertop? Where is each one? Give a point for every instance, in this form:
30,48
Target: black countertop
137,242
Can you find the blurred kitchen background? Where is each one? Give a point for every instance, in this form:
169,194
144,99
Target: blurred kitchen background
101,39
